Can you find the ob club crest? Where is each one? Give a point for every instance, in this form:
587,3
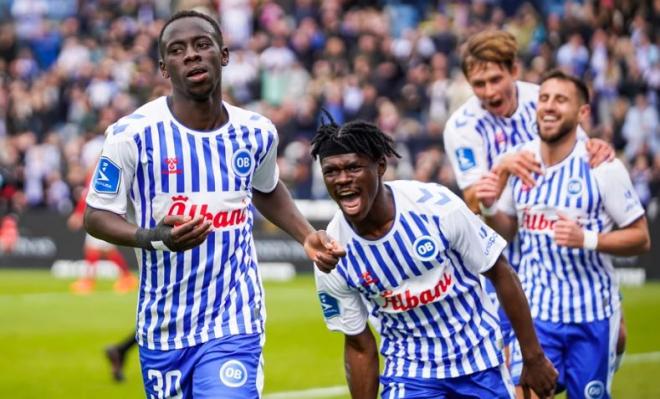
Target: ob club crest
242,162
425,248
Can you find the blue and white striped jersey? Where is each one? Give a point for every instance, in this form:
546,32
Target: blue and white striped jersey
475,139
570,285
153,166
418,285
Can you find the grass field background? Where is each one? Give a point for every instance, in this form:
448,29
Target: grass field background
51,342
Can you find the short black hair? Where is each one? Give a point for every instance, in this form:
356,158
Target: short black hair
582,89
357,136
188,14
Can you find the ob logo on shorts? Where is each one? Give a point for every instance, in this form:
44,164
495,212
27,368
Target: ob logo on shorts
242,162
233,374
425,248
594,390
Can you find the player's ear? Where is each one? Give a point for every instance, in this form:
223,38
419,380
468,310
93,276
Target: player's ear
163,69
224,56
382,166
515,70
583,113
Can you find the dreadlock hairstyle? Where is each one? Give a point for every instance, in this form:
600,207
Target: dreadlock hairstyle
358,137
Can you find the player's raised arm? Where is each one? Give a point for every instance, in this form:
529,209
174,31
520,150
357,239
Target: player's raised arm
361,364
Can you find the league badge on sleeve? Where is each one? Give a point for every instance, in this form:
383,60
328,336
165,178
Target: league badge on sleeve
329,304
107,177
465,157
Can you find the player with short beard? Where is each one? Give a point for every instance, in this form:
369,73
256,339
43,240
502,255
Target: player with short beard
566,221
485,133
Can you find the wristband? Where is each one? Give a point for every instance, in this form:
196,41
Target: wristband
159,246
590,240
488,211
149,239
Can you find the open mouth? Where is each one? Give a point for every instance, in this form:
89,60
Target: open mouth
349,201
495,103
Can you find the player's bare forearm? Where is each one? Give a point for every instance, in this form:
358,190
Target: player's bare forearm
512,298
470,198
631,240
110,227
278,207
538,373
361,364
173,232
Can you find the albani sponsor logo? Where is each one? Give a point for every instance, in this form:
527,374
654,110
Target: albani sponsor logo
220,219
407,300
537,221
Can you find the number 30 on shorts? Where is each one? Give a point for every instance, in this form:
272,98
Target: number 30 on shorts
167,385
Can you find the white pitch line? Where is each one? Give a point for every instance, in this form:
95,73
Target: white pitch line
633,358
309,393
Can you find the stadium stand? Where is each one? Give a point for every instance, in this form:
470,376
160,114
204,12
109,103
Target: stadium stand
69,68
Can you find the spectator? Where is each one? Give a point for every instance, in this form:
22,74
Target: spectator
641,129
66,65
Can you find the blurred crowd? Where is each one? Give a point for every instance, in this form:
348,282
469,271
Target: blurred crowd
69,68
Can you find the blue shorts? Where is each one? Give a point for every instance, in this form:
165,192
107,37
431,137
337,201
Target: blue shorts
493,383
229,367
584,354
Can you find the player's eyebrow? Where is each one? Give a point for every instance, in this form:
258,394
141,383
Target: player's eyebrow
191,39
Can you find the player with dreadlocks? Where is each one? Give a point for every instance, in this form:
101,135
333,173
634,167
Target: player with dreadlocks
414,256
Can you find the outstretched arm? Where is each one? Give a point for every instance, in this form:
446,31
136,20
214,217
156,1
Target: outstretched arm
538,372
361,364
278,207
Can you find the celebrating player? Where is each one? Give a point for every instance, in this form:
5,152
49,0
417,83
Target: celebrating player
414,256
176,180
480,135
565,221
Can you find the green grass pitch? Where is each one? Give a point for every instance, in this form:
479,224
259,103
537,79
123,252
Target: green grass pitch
51,342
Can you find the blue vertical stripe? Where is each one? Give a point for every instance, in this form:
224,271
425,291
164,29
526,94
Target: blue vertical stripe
164,176
232,135
481,129
220,280
178,151
176,288
151,180
208,161
224,173
194,163
160,306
